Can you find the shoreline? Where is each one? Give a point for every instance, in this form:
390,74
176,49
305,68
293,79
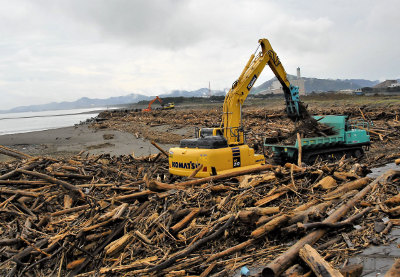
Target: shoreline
69,141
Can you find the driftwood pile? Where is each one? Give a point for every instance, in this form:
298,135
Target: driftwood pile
125,216
259,123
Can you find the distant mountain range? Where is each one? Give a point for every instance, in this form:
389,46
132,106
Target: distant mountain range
86,102
321,85
311,84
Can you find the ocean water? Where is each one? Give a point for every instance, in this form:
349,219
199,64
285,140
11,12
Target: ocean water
13,123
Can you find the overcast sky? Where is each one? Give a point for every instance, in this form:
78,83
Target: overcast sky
62,50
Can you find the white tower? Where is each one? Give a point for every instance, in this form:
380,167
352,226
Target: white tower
298,73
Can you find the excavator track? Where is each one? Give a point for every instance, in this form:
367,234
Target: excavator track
332,154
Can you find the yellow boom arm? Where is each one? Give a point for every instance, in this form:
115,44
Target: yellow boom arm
231,118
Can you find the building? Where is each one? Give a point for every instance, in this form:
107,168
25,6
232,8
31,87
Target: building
386,84
388,87
347,91
276,87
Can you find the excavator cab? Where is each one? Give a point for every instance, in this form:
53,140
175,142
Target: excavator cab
206,138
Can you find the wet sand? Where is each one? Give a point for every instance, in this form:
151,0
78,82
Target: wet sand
69,141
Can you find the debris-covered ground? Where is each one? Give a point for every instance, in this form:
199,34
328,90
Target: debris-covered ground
125,216
173,125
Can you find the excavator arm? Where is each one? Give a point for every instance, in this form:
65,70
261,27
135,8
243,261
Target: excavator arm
231,119
151,103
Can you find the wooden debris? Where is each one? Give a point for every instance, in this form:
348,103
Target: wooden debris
354,270
318,265
394,270
281,263
105,215
326,183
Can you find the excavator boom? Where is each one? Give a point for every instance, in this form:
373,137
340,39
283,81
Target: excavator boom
231,119
151,103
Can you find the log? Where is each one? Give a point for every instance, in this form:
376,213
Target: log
319,266
16,258
143,237
231,250
316,210
159,148
214,234
193,174
299,150
19,191
23,182
135,264
354,270
269,198
394,211
7,242
109,169
71,175
65,185
71,210
264,210
345,175
270,225
95,226
68,201
221,187
185,221
347,222
159,186
371,131
393,200
15,171
132,196
362,114
116,246
100,248
281,263
329,243
75,263
208,270
226,175
247,216
294,167
13,153
387,228
98,236
356,184
294,271
394,271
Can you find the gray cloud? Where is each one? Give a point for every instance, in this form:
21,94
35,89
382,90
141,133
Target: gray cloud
63,50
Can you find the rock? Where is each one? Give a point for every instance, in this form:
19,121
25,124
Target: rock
379,226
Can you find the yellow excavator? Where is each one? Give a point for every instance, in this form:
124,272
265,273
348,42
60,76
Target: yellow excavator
168,106
223,150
